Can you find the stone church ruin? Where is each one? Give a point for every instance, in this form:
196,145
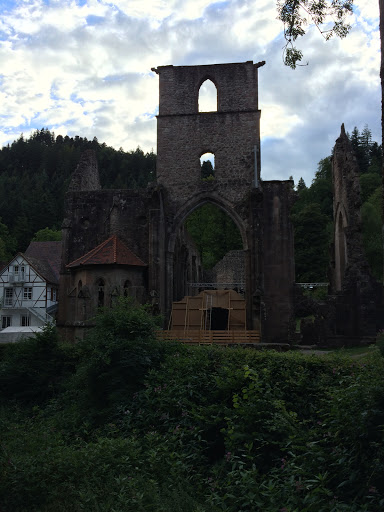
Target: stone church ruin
156,261
134,242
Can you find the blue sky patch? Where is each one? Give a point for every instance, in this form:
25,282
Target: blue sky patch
93,20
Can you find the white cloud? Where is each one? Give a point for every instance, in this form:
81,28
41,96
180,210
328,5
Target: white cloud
85,69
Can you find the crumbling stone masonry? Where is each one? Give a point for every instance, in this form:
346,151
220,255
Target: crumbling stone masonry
356,311
150,222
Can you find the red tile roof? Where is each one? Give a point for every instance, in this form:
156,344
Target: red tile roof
111,251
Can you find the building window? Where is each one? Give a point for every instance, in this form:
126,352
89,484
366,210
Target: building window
53,294
6,321
19,272
100,293
25,321
27,293
8,297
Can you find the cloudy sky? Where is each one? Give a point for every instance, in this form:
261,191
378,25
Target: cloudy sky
83,67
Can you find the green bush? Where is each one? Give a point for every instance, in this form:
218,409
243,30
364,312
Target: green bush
34,369
144,425
116,356
380,342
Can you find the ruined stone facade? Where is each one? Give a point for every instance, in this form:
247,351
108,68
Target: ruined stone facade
150,222
355,296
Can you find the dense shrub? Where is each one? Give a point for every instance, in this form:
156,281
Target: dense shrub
142,425
34,369
115,357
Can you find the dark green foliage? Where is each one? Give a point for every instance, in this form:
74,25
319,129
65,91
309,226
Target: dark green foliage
372,231
33,370
47,235
194,429
207,171
35,173
7,244
301,185
214,233
369,182
116,356
311,244
380,342
368,153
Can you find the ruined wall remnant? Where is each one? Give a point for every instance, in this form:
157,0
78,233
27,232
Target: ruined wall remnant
230,269
86,175
348,245
278,275
356,295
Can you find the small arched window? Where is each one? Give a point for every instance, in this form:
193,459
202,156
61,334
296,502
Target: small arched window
207,166
100,293
208,97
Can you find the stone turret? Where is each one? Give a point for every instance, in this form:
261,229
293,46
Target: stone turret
86,175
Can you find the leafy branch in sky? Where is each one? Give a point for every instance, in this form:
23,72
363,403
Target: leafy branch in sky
328,16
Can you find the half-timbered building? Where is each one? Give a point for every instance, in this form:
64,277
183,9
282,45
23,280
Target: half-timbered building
29,290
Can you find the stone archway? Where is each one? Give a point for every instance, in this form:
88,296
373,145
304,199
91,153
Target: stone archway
341,257
194,203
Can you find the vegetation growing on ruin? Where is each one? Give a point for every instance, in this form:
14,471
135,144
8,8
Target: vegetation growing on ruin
123,422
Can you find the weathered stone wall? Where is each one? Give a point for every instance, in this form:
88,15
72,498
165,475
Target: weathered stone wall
179,87
231,269
278,262
82,301
231,133
91,217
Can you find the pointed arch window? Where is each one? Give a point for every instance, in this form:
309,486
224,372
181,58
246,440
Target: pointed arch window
341,249
208,97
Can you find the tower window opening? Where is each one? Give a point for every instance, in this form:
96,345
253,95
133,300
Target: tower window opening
208,97
207,165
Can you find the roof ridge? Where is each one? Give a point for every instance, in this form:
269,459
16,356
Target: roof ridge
90,253
117,250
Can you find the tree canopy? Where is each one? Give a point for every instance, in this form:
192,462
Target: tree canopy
35,173
329,16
